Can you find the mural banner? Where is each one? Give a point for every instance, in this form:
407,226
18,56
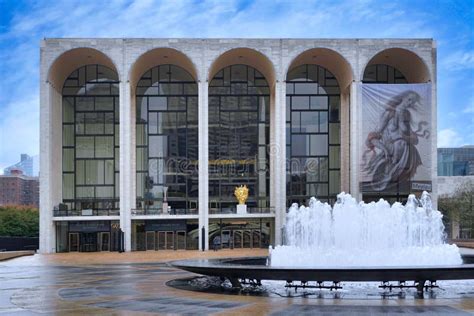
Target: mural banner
395,139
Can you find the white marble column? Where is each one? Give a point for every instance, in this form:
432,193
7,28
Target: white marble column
355,129
278,159
203,131
50,169
434,135
345,133
125,163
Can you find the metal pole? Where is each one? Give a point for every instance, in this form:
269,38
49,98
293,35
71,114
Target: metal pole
203,239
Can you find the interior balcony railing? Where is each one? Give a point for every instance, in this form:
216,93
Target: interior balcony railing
161,211
87,208
250,210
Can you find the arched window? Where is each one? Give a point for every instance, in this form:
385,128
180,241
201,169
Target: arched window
91,141
167,140
385,74
239,108
312,134
380,73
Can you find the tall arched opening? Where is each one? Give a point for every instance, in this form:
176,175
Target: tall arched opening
83,104
241,129
166,180
317,124
396,138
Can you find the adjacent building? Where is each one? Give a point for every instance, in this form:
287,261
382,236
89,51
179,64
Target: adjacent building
456,173
148,138
19,189
456,161
27,164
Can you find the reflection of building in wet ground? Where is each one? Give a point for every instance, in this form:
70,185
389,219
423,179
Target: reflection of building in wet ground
64,284
125,120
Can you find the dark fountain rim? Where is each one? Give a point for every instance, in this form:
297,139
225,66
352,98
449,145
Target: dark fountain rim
255,268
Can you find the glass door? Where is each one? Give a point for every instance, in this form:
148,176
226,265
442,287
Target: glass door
238,239
181,240
104,241
256,239
169,240
161,240
73,242
225,239
150,240
89,242
247,239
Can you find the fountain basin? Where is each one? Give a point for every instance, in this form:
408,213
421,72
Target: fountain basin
255,268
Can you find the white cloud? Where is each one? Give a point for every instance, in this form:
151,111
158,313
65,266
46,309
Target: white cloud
469,109
459,60
449,138
19,108
19,129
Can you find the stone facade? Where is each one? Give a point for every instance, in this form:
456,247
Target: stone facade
345,58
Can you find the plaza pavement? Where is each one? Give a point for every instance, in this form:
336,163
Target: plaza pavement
135,284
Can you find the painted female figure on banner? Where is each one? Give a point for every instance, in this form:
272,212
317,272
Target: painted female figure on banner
391,156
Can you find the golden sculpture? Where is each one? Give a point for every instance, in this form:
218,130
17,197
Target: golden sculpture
242,194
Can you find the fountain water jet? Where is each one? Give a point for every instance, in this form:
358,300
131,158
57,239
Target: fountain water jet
355,234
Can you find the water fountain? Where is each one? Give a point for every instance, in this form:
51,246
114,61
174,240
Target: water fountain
355,242
359,235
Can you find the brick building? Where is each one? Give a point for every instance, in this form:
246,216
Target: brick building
18,189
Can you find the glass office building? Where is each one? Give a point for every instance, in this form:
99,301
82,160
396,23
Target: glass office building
456,161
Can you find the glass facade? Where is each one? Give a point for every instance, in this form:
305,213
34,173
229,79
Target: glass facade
180,234
88,236
244,233
90,142
167,141
313,138
239,108
380,73
456,161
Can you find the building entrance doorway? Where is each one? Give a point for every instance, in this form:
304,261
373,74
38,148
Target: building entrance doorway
88,242
166,240
238,239
225,239
150,241
73,242
256,236
247,239
181,240
104,241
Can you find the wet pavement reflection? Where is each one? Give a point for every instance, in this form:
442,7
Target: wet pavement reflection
111,284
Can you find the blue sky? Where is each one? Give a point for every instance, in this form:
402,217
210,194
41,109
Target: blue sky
24,23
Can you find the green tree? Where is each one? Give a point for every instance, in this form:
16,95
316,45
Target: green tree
19,221
459,209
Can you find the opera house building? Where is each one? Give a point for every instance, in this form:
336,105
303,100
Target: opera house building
145,142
